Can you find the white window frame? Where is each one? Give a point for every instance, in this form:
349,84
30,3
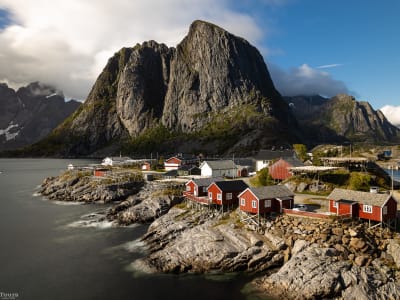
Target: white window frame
210,195
242,202
204,189
384,210
228,196
188,188
219,196
335,204
367,209
267,203
253,203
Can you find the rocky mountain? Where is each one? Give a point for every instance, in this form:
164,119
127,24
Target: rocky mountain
30,113
212,92
341,118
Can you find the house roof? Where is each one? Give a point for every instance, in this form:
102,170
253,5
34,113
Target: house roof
293,161
219,164
172,173
248,162
231,185
272,191
361,197
206,181
273,154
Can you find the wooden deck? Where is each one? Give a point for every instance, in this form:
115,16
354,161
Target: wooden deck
202,200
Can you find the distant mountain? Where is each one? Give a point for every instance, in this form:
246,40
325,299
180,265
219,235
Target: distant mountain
30,113
341,118
211,93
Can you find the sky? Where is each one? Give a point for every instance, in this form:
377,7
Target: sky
310,46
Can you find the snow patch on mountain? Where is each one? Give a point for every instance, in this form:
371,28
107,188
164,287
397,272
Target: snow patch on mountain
10,132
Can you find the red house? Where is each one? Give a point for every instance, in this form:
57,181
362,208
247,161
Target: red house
174,162
266,199
280,169
225,192
368,206
196,189
100,172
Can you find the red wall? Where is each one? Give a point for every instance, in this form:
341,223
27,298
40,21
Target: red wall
374,216
343,208
391,209
215,190
248,196
100,173
192,186
279,170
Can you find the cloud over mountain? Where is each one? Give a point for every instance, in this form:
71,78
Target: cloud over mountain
392,113
67,43
305,80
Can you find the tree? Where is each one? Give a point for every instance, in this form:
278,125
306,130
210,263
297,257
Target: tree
301,151
359,181
262,178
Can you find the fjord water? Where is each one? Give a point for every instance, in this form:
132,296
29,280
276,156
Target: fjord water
42,257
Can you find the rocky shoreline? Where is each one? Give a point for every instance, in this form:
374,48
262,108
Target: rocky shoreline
300,258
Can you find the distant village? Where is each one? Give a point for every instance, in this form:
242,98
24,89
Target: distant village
223,184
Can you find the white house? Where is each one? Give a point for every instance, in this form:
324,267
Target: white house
264,158
218,168
116,161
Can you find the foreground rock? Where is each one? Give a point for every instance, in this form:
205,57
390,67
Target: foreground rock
154,200
81,186
319,273
205,241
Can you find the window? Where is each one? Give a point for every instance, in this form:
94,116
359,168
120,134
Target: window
228,196
188,188
267,203
384,210
253,203
242,202
367,208
219,196
335,204
204,189
210,195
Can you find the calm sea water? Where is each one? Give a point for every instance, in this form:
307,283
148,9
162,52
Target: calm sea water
43,257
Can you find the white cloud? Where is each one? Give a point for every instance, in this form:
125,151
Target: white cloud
329,66
392,113
305,80
66,43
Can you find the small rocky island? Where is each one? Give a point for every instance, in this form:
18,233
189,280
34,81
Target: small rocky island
295,257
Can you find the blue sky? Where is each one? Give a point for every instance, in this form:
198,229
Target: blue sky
310,46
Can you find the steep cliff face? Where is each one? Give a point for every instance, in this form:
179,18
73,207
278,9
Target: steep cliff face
342,118
213,70
142,87
151,89
30,113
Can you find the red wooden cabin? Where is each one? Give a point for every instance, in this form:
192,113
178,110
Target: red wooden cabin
226,192
369,206
100,172
196,189
266,199
280,169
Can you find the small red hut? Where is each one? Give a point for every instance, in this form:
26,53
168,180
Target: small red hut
266,199
280,169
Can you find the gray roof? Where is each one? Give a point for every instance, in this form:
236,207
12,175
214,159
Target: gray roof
206,181
362,197
294,161
273,154
219,164
232,185
271,192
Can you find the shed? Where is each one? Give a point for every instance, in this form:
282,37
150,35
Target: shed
146,166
